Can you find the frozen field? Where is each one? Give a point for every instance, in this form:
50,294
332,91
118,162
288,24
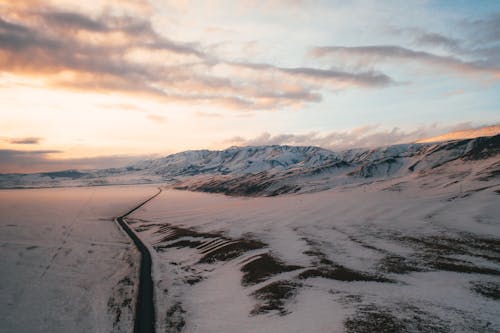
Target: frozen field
65,265
389,241
404,255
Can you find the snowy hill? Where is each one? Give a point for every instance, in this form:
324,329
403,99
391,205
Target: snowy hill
273,170
239,160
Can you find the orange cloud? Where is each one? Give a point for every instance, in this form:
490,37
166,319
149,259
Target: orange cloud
114,53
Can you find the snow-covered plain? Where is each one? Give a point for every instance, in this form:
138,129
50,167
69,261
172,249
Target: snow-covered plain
395,239
413,254
65,264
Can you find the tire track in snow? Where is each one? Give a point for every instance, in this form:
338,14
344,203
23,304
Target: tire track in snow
67,233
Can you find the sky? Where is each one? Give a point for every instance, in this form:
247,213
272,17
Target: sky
91,84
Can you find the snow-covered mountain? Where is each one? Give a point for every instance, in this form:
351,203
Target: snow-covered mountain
475,157
238,160
273,170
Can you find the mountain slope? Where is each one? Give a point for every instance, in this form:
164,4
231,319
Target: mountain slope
238,160
478,158
274,170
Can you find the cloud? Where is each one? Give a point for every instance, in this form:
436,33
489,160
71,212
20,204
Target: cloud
121,106
24,141
109,49
157,118
125,7
323,76
16,161
361,79
362,137
383,53
22,161
485,30
119,53
475,53
74,21
421,37
436,39
208,114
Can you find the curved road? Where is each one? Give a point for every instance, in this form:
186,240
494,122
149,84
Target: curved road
144,308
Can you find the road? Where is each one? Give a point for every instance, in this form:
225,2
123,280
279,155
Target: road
144,310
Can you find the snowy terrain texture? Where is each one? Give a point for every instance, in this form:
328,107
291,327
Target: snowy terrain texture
407,239
397,239
65,264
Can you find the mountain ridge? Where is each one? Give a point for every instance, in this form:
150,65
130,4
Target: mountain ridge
276,169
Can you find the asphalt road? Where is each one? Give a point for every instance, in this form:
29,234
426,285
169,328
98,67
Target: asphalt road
144,309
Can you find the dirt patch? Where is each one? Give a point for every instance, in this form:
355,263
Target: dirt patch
397,264
483,148
460,266
231,250
398,187
263,267
120,303
315,252
134,220
365,244
274,296
179,244
126,281
285,189
174,232
144,227
323,260
194,279
341,273
175,321
487,289
460,252
245,185
327,269
178,237
371,318
461,244
259,184
349,298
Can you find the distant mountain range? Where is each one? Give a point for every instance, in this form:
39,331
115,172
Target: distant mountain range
274,170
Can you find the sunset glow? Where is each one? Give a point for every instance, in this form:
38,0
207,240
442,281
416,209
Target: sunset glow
102,83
